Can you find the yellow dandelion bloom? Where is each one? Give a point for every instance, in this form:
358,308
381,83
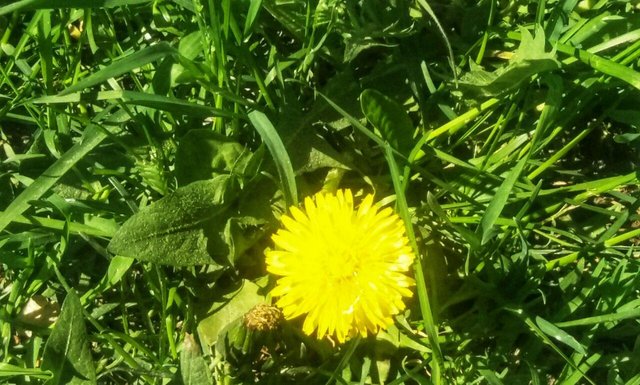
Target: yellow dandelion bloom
342,268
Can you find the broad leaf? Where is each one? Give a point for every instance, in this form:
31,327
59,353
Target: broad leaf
530,59
181,229
193,368
390,118
67,353
203,154
227,310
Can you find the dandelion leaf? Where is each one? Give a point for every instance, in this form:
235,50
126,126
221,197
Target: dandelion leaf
182,229
193,367
226,310
390,118
203,154
529,59
66,353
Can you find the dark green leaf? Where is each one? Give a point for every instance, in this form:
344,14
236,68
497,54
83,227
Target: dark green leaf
203,154
390,118
241,233
560,335
66,353
179,229
626,138
159,102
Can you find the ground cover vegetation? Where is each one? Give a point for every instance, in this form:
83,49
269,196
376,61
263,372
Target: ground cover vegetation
150,148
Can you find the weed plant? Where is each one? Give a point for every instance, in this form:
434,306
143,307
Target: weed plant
149,148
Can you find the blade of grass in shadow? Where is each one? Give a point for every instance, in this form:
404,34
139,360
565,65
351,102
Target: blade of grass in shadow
92,137
274,143
575,377
359,126
543,337
421,285
425,5
123,65
344,361
562,152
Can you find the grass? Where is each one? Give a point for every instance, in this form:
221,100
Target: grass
505,132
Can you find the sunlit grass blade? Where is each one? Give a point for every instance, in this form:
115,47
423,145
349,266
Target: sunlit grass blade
8,370
499,200
160,102
93,136
421,285
272,140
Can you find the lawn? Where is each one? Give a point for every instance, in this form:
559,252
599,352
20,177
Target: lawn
320,192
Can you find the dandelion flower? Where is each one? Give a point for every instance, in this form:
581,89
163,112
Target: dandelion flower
341,268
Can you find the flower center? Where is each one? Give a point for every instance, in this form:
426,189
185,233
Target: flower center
342,265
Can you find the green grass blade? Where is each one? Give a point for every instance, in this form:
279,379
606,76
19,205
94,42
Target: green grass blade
537,331
8,370
92,137
279,153
499,201
613,317
598,63
451,127
159,102
254,8
425,5
560,335
421,285
124,65
25,5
